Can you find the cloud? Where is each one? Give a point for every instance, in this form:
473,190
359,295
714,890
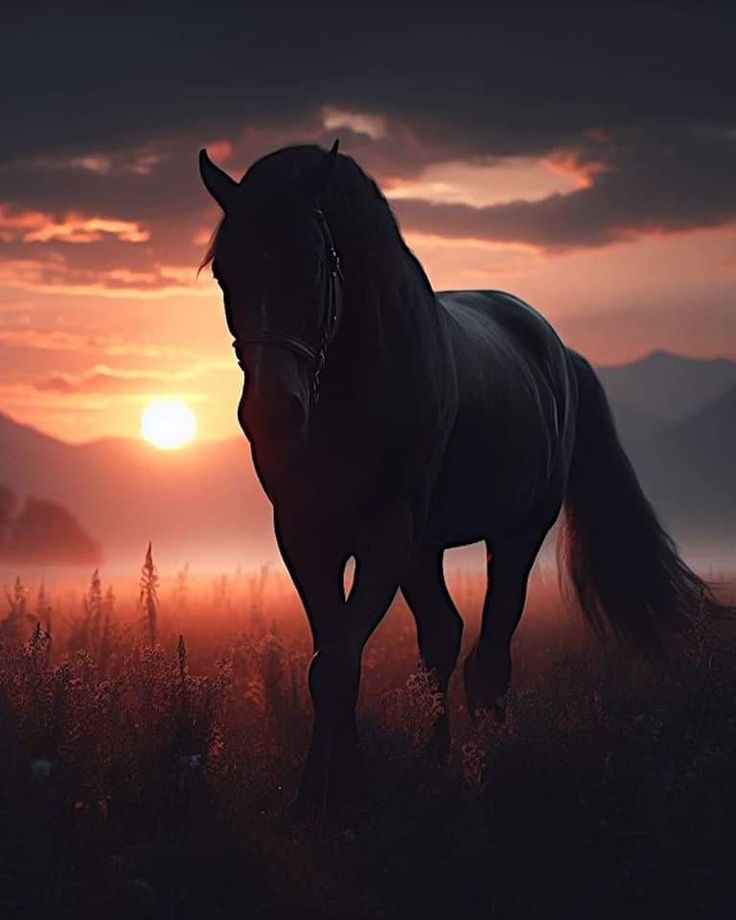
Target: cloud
108,345
54,275
109,380
32,226
641,187
601,187
138,161
521,76
75,228
93,163
577,131
372,126
491,181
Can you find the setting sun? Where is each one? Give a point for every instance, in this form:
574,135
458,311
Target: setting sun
168,424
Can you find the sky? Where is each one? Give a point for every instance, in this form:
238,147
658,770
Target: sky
580,157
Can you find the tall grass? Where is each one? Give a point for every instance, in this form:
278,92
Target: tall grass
152,741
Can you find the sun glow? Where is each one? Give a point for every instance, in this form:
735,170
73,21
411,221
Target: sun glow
168,424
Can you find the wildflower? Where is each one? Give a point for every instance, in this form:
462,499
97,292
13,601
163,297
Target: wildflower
191,762
148,598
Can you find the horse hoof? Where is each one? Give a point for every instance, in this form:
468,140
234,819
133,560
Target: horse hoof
329,788
339,804
486,682
309,805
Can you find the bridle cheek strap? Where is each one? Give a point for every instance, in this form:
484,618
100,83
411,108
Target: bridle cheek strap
331,315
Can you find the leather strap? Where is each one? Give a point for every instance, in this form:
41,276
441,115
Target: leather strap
330,320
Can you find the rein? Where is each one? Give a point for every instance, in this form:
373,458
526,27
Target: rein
331,315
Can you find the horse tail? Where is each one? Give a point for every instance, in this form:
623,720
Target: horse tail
623,567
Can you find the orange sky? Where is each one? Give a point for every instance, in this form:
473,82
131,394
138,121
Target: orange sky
101,309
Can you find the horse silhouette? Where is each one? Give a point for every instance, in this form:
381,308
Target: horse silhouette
389,422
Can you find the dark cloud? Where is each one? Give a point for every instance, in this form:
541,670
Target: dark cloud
108,109
506,79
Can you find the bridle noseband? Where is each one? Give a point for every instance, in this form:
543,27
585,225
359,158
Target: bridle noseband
330,321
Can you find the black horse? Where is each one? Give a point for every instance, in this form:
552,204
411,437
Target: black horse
389,423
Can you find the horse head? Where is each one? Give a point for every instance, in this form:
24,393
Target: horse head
275,260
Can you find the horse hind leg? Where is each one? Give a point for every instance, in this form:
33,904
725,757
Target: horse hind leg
487,669
439,630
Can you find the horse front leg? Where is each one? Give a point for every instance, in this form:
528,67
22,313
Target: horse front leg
316,567
333,767
333,771
439,630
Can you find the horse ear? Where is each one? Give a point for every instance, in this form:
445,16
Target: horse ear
216,181
326,173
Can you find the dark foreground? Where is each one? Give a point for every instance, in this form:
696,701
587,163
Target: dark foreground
146,778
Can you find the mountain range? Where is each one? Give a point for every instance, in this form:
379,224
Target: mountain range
676,417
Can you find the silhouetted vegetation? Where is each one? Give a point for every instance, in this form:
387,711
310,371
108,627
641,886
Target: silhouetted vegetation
150,753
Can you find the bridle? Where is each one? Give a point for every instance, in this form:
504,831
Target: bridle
330,319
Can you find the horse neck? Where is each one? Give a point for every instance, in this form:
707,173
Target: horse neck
394,341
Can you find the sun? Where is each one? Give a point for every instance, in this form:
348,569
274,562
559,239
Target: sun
168,424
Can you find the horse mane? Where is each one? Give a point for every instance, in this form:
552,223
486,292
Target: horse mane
360,217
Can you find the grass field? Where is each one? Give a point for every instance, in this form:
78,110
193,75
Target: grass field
147,775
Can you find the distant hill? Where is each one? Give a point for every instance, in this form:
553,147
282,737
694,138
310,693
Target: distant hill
689,470
665,387
204,504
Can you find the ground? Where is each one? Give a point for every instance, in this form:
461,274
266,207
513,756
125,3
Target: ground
143,775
